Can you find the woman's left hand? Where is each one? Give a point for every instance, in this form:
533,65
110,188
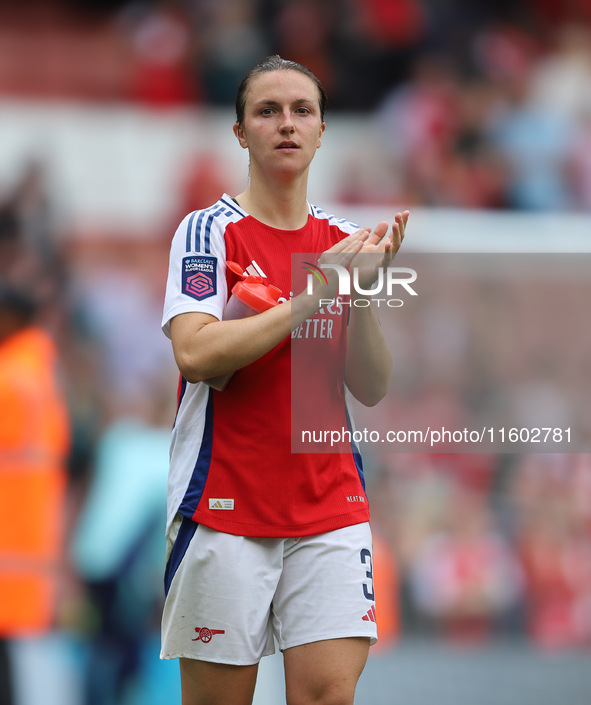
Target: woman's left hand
382,247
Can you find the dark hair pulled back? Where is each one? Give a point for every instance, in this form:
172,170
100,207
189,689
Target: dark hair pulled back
276,63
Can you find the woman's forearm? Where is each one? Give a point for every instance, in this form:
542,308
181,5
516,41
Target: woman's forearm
205,347
369,361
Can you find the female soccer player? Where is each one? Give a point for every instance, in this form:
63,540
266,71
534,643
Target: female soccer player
264,543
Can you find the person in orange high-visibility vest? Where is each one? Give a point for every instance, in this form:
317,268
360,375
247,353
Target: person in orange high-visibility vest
34,442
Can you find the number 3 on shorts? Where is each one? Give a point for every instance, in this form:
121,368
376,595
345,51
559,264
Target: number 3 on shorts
366,560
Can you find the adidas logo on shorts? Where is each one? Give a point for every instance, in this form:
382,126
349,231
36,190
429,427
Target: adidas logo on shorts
371,615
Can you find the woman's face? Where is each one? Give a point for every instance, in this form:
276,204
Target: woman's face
282,127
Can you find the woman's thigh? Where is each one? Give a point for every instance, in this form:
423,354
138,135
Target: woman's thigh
205,683
324,672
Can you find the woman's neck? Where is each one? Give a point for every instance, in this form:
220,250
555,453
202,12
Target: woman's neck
281,205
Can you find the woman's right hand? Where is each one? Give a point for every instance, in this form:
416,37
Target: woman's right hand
342,254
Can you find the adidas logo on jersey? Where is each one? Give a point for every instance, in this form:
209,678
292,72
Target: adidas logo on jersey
371,615
254,270
215,503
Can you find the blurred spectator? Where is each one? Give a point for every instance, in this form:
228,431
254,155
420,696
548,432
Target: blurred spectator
562,80
555,555
579,163
230,44
33,253
28,237
465,576
34,439
552,495
473,173
391,23
9,240
433,134
124,313
417,120
118,547
160,38
534,142
205,180
553,13
302,30
372,46
502,52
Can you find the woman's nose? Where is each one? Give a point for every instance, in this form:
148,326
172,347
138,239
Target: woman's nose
286,123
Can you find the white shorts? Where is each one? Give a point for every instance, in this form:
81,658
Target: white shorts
228,596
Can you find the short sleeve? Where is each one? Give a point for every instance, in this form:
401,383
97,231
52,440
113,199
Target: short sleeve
197,270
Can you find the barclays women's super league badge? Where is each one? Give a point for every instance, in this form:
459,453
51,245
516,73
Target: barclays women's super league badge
199,277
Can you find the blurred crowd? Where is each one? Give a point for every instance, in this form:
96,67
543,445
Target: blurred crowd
477,105
87,386
481,105
488,543
490,546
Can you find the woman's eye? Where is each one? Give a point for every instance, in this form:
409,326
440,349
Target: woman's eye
266,111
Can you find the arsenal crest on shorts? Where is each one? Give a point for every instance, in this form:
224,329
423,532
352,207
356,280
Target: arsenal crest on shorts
205,634
199,276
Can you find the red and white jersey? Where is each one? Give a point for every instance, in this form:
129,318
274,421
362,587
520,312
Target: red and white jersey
231,465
